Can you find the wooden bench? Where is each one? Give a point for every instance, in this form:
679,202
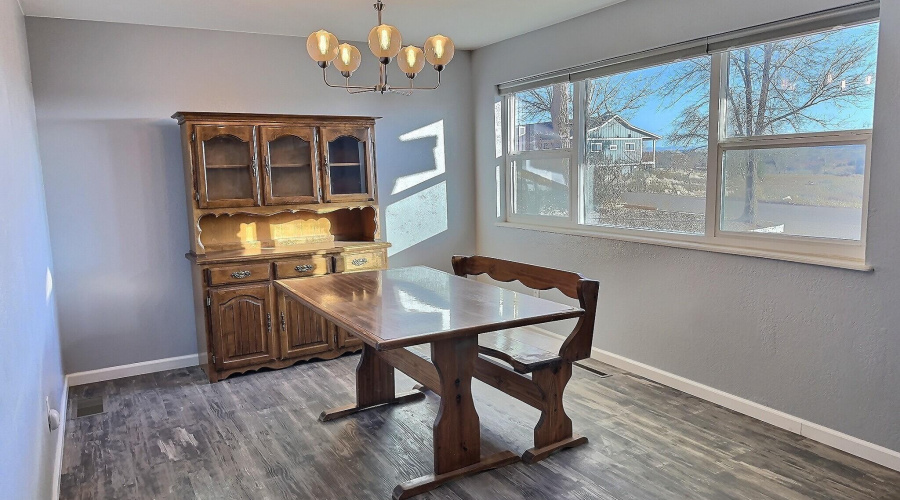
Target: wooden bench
550,372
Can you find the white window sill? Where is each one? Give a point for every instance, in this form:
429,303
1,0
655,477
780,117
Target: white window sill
660,239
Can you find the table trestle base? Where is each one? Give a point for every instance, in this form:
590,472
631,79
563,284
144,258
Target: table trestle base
429,482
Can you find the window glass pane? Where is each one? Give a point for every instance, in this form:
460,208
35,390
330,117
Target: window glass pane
646,148
813,83
802,191
541,187
542,118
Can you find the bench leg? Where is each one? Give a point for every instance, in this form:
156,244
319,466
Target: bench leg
554,430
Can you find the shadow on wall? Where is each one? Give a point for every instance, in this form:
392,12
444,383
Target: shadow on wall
118,232
417,209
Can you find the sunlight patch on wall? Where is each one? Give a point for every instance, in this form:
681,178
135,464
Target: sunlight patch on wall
416,218
499,190
435,130
48,285
498,129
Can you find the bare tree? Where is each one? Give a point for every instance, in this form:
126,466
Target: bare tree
603,97
778,87
616,95
551,102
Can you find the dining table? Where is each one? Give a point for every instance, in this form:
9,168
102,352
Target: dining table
395,309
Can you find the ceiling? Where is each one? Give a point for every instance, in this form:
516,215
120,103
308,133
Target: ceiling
470,23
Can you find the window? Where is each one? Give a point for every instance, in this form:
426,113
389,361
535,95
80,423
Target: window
798,119
662,192
540,159
760,150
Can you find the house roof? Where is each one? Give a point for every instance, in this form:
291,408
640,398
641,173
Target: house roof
610,117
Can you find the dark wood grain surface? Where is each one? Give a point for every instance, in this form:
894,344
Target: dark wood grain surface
171,435
408,306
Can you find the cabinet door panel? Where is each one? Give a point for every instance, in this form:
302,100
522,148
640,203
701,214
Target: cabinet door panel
242,322
303,332
227,172
349,163
347,339
290,156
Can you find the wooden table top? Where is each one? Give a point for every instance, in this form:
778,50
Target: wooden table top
408,306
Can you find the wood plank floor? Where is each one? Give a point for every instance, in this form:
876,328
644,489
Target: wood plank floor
171,435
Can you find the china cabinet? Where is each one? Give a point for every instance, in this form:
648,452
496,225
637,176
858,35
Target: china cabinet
273,197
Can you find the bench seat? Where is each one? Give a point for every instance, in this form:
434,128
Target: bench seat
508,346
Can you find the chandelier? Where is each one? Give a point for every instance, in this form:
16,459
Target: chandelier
385,43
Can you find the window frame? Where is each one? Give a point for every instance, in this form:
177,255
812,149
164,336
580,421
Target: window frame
849,254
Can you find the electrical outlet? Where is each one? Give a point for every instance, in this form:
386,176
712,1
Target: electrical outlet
536,293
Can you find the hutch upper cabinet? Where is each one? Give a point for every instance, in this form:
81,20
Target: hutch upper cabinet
349,159
244,165
275,197
291,159
227,174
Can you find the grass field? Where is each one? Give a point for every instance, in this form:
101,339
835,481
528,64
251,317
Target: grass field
805,189
796,189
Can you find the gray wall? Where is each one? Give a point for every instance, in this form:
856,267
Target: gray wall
819,343
30,367
112,163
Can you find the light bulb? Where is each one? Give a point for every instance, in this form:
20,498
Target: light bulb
348,59
385,41
411,60
439,51
322,47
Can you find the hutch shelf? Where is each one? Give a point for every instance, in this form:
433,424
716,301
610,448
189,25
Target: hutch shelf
273,197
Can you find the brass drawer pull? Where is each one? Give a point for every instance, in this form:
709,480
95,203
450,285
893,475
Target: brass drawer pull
359,262
240,274
304,268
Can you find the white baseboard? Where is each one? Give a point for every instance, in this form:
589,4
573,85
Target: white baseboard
844,442
114,372
60,440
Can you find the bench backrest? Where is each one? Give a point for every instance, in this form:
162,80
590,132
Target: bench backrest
578,344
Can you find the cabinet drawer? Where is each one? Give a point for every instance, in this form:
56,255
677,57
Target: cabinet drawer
360,261
238,273
298,268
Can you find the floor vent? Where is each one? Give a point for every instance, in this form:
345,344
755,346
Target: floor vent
88,406
593,370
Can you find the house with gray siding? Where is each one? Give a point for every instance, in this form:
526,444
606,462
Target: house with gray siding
621,142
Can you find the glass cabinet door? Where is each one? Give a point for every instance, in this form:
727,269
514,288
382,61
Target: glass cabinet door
227,173
290,157
349,163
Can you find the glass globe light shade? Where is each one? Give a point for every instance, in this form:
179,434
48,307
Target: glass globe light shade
348,59
322,46
384,41
439,51
411,60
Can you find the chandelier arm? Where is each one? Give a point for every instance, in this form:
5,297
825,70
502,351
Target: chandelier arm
346,86
411,87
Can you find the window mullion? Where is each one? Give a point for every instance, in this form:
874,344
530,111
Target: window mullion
504,176
718,78
575,175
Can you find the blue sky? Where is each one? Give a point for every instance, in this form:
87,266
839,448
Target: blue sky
659,116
